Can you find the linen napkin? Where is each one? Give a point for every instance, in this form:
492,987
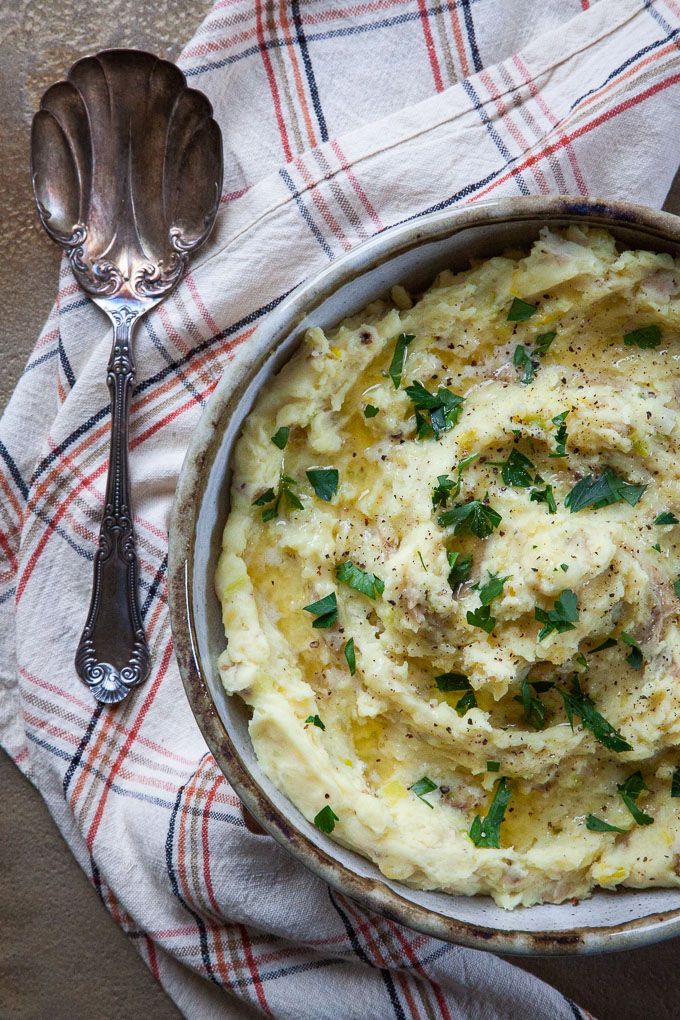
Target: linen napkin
339,119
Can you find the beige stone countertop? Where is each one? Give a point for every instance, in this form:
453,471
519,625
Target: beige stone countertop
61,954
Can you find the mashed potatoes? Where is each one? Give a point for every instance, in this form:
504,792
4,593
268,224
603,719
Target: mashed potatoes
450,576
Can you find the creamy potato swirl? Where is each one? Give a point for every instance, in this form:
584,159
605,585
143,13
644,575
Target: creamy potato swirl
507,503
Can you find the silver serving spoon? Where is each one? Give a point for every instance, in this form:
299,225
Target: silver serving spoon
126,163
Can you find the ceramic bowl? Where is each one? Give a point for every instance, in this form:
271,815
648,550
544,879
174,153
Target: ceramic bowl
412,254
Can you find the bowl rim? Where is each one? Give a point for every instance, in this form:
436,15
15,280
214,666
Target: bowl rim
372,893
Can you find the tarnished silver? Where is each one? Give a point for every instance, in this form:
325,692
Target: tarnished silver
126,162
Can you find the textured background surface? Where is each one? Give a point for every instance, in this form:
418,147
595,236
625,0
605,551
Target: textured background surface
61,955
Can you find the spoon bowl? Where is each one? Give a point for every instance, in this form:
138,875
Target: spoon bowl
126,163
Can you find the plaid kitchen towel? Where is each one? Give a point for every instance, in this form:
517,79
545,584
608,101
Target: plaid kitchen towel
340,118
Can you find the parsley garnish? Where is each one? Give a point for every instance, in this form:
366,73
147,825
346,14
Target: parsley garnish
492,589
609,643
452,682
545,496
283,495
360,580
465,703
493,766
461,568
644,337
325,610
397,364
473,518
515,470
449,488
543,342
443,407
326,819
559,421
675,783
324,481
534,709
520,310
423,787
482,618
564,567
315,720
350,656
486,832
635,658
280,437
666,518
676,587
370,411
522,359
630,790
578,703
596,824
602,490
561,618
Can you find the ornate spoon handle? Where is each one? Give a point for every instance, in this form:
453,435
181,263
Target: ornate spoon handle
113,655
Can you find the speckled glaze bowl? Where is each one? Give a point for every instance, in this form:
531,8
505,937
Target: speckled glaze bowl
412,254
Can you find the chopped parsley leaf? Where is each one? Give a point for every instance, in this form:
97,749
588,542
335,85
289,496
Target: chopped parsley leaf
449,488
522,359
598,491
564,567
461,568
546,496
482,618
630,790
520,310
283,495
465,703
360,580
442,490
485,832
326,819
397,364
645,337
582,661
493,766
452,682
596,824
324,481
516,470
635,659
443,407
325,610
280,437
656,547
578,703
675,783
666,518
543,342
314,719
423,787
473,518
350,656
676,587
370,411
492,589
609,643
534,709
561,617
559,421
